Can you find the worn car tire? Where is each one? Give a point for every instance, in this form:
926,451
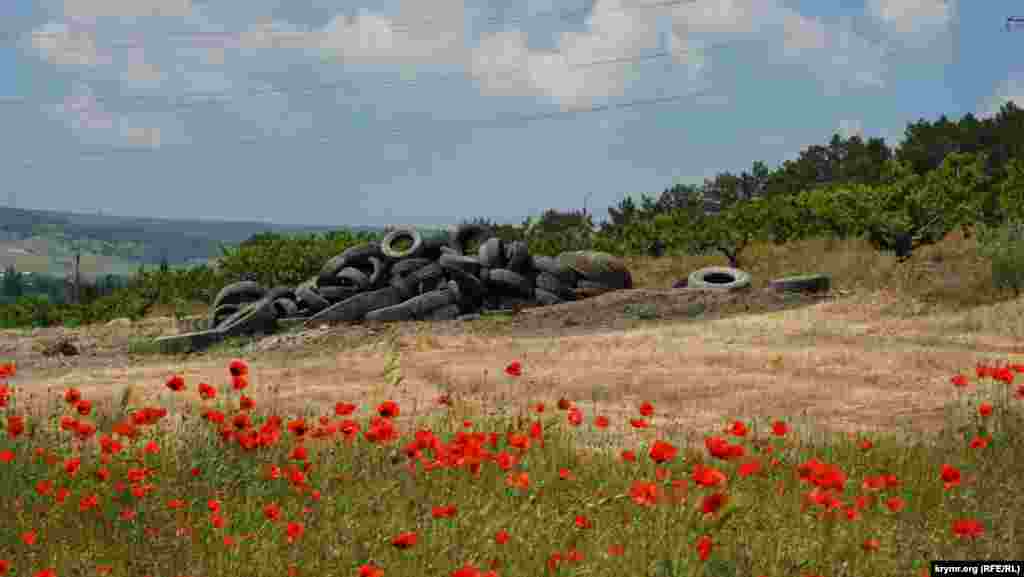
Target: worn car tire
546,298
387,244
552,284
245,291
517,256
468,264
356,307
802,283
352,277
460,236
510,281
492,253
218,314
334,294
719,277
310,297
255,317
554,267
286,308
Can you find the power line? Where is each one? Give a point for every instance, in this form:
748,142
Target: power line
503,120
406,27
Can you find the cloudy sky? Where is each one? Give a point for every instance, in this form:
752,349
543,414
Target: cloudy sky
327,112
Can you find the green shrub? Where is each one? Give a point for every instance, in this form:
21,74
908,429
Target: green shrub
1004,246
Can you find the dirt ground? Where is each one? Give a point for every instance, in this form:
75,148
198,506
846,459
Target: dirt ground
838,361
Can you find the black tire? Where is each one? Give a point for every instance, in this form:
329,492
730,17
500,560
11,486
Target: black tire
471,287
599,267
719,277
423,279
460,236
406,267
218,314
428,302
554,267
356,307
802,283
309,297
510,281
280,292
256,317
245,291
433,248
330,270
352,277
492,253
387,245
517,256
546,298
591,285
286,308
550,283
467,264
334,294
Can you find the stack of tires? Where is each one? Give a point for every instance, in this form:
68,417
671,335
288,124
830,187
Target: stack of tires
407,277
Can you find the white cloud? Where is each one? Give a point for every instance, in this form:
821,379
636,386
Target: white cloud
503,64
87,9
423,32
911,16
61,45
1009,90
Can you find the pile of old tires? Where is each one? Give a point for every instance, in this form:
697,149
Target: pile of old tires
408,277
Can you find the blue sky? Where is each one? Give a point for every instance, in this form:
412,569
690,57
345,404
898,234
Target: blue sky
411,112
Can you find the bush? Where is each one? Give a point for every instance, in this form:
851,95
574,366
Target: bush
1004,246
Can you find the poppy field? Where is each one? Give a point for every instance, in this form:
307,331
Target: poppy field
231,489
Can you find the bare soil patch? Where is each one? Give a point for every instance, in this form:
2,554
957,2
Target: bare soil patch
841,359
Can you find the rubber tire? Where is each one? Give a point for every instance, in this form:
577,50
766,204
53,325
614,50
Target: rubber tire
313,300
334,294
802,283
459,236
433,248
511,281
256,317
467,264
702,278
414,250
350,276
592,285
393,313
280,292
424,277
286,308
554,267
550,283
330,270
471,287
545,298
245,291
356,307
492,253
428,302
406,267
222,312
517,256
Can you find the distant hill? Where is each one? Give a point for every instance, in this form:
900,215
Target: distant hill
45,241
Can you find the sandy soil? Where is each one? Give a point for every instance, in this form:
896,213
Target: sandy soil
840,359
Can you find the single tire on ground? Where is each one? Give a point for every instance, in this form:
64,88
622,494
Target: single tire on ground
389,244
721,277
245,291
802,283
